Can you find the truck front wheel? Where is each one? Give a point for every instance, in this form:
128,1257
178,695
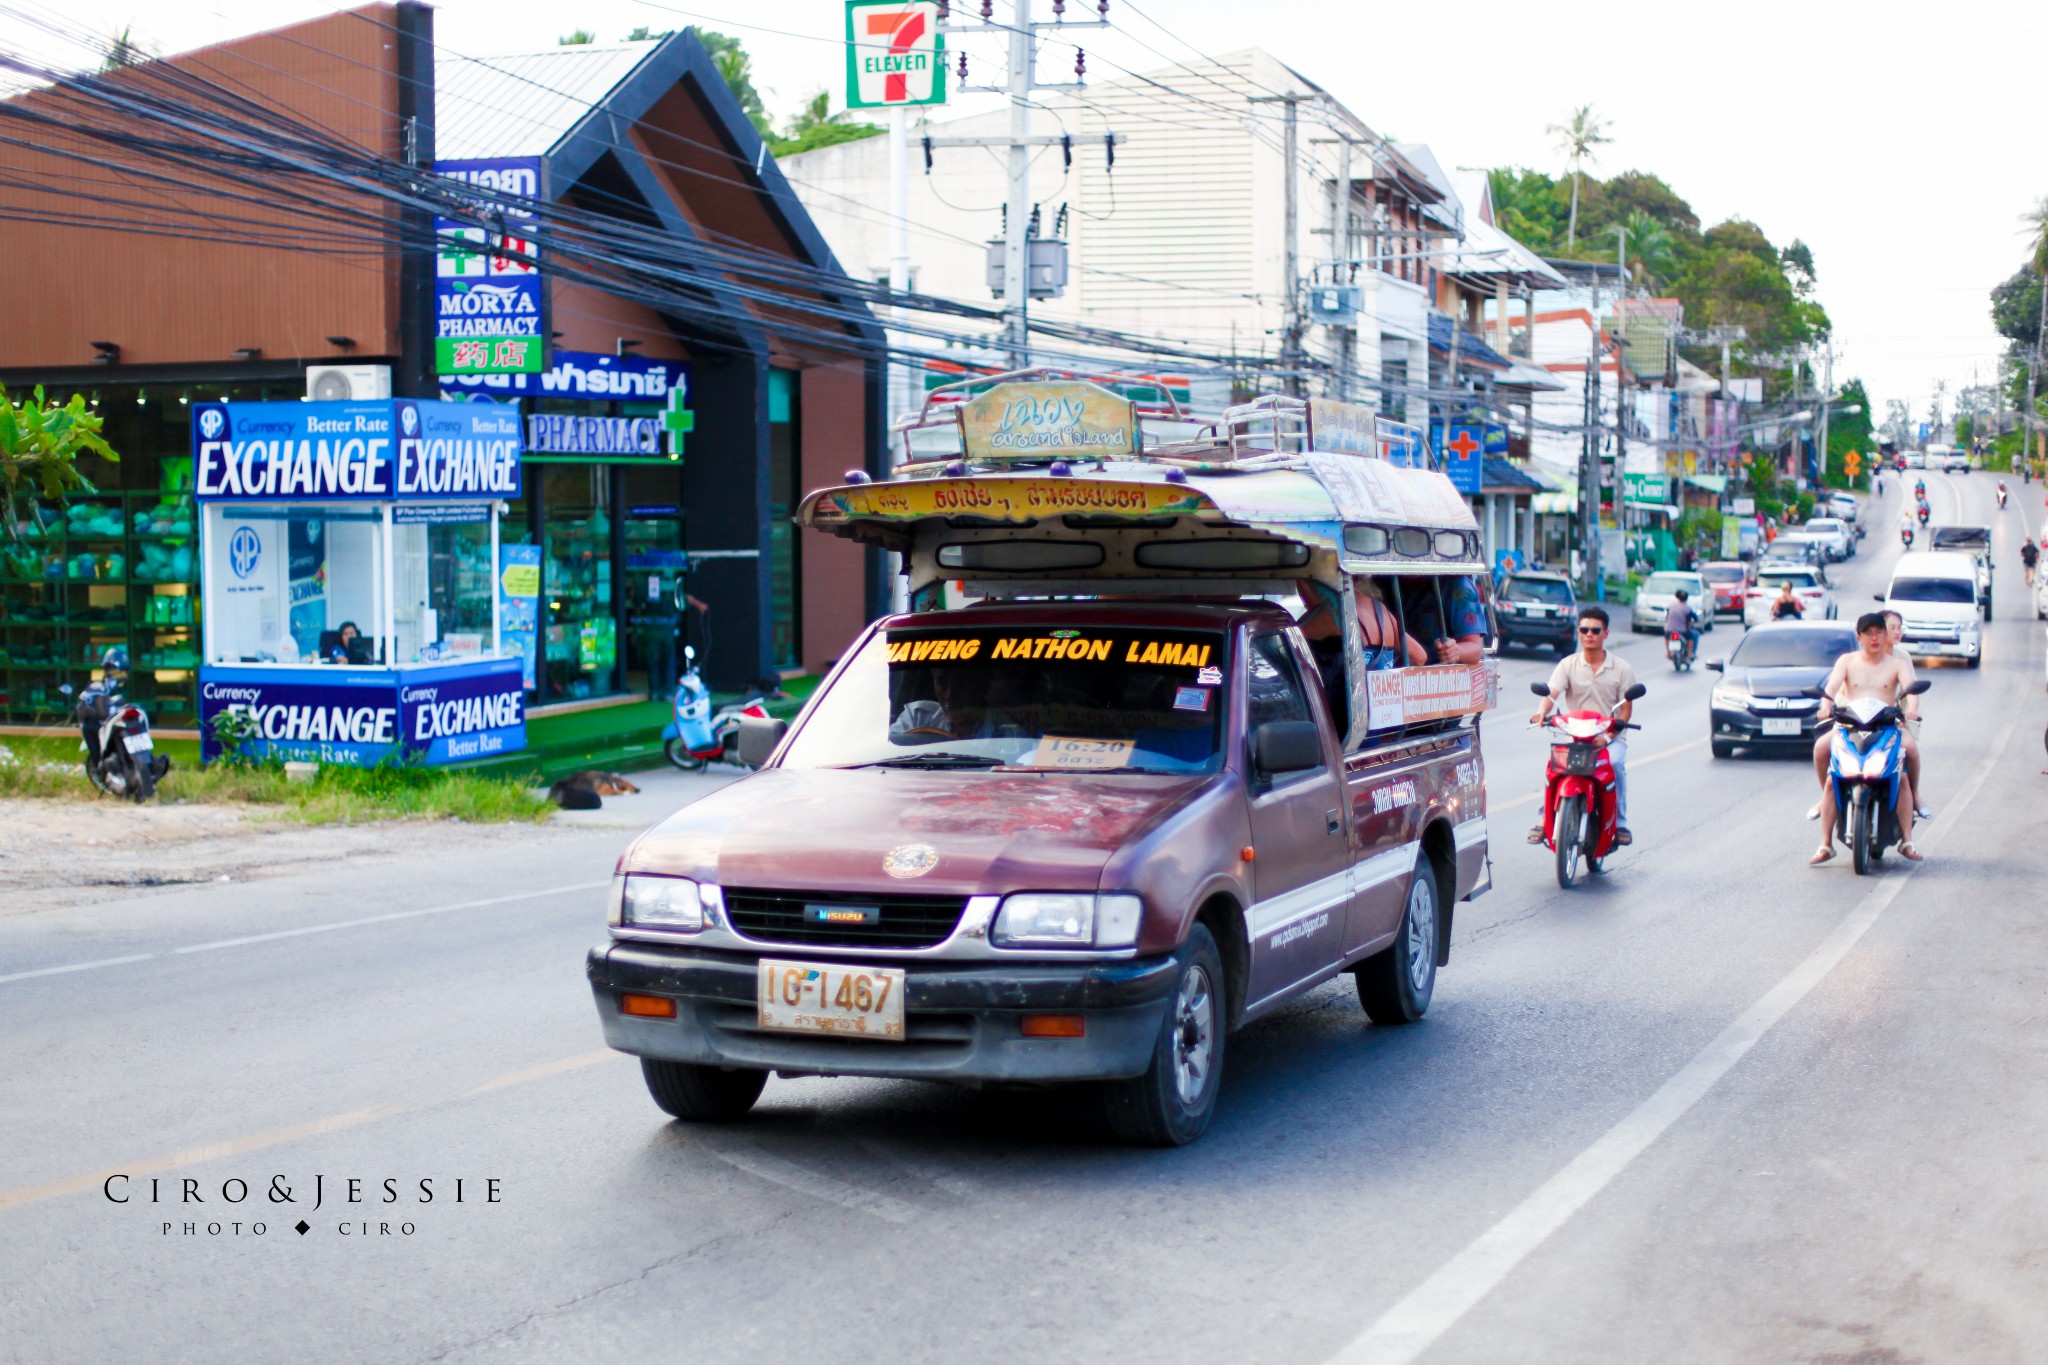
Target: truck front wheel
1172,1102
702,1094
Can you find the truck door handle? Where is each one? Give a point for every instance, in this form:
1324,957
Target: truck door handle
1333,821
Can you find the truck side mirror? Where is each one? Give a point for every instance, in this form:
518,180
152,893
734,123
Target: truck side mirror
1286,746
758,738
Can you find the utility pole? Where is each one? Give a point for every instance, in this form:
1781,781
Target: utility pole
1019,84
901,395
1589,459
1827,393
1290,253
2030,422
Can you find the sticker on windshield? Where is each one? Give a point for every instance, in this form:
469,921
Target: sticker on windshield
1209,677
1062,751
1191,699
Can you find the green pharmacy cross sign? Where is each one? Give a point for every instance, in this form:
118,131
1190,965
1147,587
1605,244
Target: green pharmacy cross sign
679,420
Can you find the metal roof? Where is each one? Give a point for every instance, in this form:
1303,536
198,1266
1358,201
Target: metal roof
525,103
1496,473
1470,348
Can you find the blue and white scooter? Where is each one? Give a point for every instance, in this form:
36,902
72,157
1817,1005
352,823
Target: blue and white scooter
694,736
1866,759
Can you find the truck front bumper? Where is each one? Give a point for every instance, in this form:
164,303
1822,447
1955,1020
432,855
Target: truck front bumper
962,1021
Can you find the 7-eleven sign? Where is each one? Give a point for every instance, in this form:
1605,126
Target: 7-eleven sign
895,54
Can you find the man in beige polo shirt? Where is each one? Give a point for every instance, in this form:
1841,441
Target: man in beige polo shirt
1595,680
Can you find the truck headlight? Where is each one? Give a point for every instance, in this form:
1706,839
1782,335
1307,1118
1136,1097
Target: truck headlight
1067,919
660,903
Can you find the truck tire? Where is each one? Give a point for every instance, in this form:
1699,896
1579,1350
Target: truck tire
701,1094
1396,983
1173,1101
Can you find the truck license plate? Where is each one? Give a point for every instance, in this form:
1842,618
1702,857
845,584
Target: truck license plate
830,997
1781,725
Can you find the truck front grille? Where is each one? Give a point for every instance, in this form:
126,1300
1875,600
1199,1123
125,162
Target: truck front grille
891,921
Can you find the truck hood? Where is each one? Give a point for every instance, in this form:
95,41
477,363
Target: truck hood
831,829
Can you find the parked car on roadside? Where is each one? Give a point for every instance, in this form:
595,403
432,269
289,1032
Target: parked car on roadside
1841,503
1730,580
1537,611
1836,540
1809,585
1758,702
1660,590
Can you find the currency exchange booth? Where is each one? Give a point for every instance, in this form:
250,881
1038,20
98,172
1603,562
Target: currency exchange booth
351,601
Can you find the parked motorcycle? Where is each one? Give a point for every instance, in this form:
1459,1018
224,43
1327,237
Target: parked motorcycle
1581,806
120,753
695,736
1866,758
1680,649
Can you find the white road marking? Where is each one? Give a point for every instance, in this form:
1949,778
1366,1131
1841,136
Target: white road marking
788,1174
1419,1319
301,932
78,967
1532,797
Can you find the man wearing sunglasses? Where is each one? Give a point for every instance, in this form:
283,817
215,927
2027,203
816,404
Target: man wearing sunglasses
1595,680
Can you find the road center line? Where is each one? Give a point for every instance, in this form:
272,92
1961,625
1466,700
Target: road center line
1418,1320
213,1151
97,963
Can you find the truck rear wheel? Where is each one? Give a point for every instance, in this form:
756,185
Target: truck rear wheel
701,1094
1396,983
1172,1103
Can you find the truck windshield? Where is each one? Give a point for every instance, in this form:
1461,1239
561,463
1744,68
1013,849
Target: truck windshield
1114,699
1955,591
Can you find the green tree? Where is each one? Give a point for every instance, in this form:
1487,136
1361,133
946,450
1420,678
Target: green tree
1528,206
39,447
734,63
815,126
1849,431
581,37
1652,252
1577,137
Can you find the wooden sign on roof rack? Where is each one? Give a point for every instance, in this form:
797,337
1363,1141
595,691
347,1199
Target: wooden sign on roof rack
1048,419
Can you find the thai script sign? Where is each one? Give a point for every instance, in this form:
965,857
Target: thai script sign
1407,696
1342,428
1006,499
895,54
1040,421
488,296
395,451
580,374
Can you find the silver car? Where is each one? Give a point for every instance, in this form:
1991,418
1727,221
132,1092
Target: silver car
1660,590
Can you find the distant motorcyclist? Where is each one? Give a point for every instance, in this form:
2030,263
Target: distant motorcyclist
1683,621
1922,514
2001,495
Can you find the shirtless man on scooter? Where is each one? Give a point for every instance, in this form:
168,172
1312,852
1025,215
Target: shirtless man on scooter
1872,671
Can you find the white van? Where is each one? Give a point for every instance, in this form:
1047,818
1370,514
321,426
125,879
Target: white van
1935,592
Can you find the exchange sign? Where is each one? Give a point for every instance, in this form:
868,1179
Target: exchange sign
895,54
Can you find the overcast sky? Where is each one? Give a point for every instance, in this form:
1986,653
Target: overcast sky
1894,138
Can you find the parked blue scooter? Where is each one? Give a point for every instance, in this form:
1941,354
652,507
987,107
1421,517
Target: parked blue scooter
694,736
1866,759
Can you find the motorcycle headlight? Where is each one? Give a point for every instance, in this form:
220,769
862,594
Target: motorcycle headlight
673,903
1062,919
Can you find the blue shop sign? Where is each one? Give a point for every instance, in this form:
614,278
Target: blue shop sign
1462,449
579,374
358,718
403,450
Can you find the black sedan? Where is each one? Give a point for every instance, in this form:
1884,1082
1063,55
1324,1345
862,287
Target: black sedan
1537,611
1757,701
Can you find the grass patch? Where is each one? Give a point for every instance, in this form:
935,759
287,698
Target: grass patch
51,769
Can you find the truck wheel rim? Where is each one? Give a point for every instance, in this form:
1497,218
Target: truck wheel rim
1194,1027
1421,929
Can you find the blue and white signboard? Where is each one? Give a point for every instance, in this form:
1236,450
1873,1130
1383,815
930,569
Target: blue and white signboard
579,374
1462,449
404,450
489,301
360,718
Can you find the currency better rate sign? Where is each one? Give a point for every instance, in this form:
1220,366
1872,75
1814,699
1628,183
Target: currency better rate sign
895,54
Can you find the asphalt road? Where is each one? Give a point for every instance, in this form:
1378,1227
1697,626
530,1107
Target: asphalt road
1713,1106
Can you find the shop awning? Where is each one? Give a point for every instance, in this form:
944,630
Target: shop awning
1717,484
1668,509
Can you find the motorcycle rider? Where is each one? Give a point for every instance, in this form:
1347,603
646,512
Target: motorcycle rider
1594,679
1872,671
1909,737
1682,620
2001,495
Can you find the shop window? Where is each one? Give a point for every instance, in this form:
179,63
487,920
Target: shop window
580,656
443,586
289,583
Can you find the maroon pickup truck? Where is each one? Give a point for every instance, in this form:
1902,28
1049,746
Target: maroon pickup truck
1041,842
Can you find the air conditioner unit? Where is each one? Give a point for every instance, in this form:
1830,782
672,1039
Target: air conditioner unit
347,383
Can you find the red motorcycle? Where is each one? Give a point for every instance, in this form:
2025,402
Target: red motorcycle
1581,807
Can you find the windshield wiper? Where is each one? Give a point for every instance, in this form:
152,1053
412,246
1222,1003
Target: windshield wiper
934,761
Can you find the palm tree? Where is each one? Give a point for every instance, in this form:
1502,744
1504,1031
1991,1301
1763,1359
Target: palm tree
1576,138
1652,254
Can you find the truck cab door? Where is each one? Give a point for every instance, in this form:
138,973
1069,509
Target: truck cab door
1300,871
